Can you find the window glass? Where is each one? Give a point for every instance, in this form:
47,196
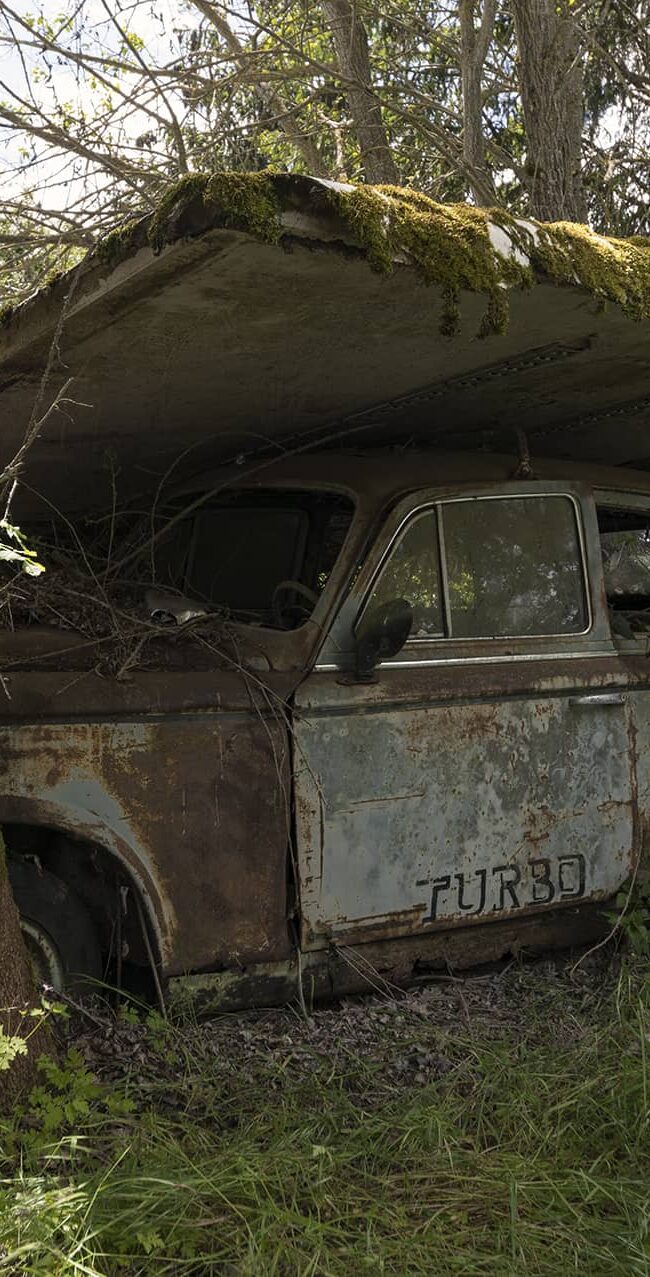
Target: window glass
263,557
238,556
514,567
412,572
625,544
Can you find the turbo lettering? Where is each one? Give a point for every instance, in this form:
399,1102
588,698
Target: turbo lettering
501,888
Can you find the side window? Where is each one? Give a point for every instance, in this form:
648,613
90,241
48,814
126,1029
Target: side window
625,545
514,567
412,572
490,567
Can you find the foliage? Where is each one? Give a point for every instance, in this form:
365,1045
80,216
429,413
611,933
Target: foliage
13,1045
102,113
10,1047
631,912
14,549
524,1149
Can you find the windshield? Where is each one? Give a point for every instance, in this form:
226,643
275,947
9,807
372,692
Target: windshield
261,557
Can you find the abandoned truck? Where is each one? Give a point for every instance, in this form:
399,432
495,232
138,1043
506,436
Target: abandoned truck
387,710
429,742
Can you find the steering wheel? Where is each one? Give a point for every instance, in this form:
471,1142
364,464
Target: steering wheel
293,587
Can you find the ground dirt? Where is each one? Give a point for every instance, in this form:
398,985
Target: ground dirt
382,1043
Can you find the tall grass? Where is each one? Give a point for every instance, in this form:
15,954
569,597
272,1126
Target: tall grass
529,1154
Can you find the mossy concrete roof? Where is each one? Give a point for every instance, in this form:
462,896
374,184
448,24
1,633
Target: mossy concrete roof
256,308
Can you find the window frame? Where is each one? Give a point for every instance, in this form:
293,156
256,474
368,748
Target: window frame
437,506
337,651
622,499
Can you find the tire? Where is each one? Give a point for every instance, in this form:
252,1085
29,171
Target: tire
58,932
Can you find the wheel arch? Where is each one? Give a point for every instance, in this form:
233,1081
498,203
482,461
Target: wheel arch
83,827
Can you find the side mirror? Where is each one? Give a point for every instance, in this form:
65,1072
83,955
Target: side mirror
382,633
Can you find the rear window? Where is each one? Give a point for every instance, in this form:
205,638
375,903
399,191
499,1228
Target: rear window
625,546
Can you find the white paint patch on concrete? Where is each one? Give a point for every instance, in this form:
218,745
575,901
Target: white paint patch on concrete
530,228
504,245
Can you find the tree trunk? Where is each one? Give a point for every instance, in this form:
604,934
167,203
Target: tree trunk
353,57
551,80
17,994
474,45
281,113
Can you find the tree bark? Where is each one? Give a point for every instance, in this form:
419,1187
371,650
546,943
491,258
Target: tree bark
474,45
17,994
551,81
353,57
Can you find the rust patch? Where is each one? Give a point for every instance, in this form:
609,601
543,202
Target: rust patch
336,972
196,809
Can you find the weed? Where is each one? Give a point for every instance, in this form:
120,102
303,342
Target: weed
525,1151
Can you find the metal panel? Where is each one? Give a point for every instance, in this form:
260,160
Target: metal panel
172,800
429,815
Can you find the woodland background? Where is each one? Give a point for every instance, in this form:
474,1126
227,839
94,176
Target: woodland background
541,106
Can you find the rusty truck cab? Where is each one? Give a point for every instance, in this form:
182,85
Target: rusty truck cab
392,714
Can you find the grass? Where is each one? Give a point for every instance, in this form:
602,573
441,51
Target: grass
476,1143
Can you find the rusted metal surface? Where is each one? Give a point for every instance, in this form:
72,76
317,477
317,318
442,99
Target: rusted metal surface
335,972
35,696
444,812
412,818
194,808
477,779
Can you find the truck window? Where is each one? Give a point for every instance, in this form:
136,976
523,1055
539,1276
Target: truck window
260,557
263,557
490,567
625,545
412,572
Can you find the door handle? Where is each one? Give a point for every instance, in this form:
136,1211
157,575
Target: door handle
598,698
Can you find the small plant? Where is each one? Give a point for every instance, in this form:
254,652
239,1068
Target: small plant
14,549
634,923
10,1047
13,1044
631,913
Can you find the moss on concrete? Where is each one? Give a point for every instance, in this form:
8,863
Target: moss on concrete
196,203
117,245
243,201
449,245
454,246
616,270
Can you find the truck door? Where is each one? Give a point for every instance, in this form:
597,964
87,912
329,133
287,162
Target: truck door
488,767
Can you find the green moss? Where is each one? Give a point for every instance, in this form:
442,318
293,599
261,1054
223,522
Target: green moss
616,270
115,246
243,201
449,245
179,196
53,278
